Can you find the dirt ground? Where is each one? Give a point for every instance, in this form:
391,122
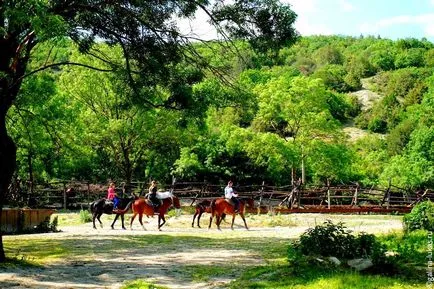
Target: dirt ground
162,267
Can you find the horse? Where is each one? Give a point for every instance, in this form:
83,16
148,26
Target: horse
143,206
202,207
221,206
101,206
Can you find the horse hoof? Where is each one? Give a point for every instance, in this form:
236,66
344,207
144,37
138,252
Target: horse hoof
123,228
112,227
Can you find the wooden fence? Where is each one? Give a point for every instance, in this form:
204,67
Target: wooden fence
19,220
291,198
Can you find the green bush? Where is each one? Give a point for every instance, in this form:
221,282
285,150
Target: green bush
85,216
46,226
420,217
335,240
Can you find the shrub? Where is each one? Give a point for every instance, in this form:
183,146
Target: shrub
85,216
420,217
46,226
335,240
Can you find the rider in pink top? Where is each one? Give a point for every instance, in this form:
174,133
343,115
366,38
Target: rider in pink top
112,196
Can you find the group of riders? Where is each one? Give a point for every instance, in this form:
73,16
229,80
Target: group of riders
230,195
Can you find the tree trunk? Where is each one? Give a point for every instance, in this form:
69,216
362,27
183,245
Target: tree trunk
7,167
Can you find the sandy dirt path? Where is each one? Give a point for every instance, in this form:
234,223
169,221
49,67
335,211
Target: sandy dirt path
156,263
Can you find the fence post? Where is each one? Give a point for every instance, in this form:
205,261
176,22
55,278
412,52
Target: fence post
355,200
64,196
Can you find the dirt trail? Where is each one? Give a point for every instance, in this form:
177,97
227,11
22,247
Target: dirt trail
161,264
366,98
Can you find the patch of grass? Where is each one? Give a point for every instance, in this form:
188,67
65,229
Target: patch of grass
410,247
203,273
18,260
141,284
283,277
85,216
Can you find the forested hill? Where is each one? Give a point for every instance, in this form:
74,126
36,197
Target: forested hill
274,118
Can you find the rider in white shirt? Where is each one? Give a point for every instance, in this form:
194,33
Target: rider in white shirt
231,195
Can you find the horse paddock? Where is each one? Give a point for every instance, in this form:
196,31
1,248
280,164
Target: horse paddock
179,256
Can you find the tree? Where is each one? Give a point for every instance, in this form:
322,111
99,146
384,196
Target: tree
149,39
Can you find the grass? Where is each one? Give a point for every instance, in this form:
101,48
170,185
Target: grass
271,270
283,277
141,284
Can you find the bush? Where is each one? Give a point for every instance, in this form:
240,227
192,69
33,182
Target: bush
46,226
421,217
334,240
85,216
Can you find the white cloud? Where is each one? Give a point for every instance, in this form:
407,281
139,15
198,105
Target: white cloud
303,6
307,28
306,10
424,20
347,6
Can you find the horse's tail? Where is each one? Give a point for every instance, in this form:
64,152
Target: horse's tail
92,207
213,206
126,208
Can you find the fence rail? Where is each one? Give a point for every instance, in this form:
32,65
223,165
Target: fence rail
76,195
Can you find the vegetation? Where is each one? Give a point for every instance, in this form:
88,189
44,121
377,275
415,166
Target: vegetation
263,105
420,218
278,121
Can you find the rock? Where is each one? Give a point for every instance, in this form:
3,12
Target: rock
334,261
360,264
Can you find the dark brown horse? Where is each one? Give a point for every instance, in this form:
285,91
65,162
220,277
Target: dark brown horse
220,206
202,207
101,206
143,206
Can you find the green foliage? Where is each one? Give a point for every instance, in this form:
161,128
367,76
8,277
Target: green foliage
141,284
85,216
421,217
333,76
335,240
46,226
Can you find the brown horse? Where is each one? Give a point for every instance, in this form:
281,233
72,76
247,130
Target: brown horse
143,206
220,206
203,207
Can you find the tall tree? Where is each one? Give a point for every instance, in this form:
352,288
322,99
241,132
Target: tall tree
146,32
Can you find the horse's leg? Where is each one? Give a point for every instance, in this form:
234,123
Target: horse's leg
233,219
218,221
210,221
141,221
93,219
194,217
114,221
132,219
123,222
245,224
98,218
198,219
161,217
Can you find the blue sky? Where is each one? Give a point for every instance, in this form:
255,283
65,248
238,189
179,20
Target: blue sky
392,19
388,18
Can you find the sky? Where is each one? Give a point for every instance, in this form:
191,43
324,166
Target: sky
394,19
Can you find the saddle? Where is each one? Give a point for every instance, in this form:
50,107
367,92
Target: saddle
109,202
164,195
230,202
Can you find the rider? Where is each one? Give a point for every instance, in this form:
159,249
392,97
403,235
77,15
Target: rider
152,195
112,196
231,195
